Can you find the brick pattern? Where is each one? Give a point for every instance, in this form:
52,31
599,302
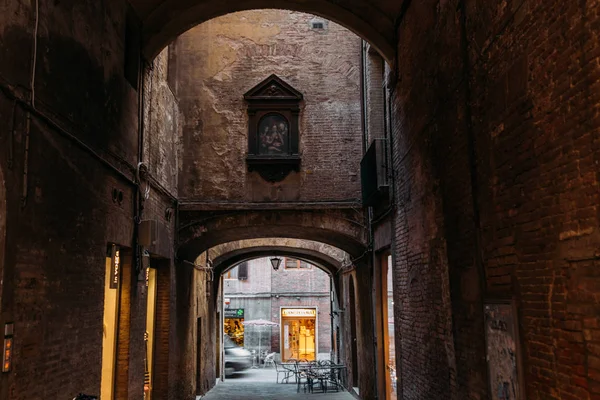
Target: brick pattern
218,61
535,80
531,70
53,282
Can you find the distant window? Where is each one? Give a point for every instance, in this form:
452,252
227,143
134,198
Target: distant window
292,263
318,24
242,271
231,274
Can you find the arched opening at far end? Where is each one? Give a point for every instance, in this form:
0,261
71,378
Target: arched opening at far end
277,311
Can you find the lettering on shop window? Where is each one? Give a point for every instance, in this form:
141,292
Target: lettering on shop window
299,312
115,266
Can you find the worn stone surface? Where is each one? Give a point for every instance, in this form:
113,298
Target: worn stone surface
218,61
162,123
258,384
327,250
202,230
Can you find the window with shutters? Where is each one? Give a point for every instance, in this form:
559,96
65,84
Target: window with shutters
242,271
292,263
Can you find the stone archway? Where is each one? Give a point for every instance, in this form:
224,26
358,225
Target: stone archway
337,228
323,256
164,20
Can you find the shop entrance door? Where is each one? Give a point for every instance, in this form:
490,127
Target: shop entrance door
388,318
298,334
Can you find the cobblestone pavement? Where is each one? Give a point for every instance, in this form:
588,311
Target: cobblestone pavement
259,384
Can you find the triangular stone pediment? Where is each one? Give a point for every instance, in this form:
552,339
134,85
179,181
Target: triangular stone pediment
273,88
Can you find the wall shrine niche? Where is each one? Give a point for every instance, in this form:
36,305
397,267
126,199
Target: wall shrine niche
273,111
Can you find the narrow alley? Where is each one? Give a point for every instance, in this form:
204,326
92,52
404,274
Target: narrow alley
398,198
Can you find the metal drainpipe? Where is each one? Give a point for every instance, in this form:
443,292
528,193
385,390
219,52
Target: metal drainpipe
137,206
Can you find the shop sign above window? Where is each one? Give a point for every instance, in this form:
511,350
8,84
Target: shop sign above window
273,110
234,313
299,312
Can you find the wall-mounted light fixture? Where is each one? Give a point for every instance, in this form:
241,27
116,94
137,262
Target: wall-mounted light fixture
275,263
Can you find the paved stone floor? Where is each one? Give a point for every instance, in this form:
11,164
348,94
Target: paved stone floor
260,384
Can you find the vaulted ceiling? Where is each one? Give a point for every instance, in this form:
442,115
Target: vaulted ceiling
164,20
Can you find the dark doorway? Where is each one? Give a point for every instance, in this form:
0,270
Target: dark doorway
353,340
160,375
199,355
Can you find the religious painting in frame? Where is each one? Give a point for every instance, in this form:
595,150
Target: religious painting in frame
273,128
503,350
273,135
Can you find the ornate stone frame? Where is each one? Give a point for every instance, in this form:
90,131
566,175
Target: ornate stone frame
273,96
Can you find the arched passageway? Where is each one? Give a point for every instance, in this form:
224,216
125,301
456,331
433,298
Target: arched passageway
342,229
490,208
165,20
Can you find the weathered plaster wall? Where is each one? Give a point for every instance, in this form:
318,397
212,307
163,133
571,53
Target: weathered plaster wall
218,61
162,124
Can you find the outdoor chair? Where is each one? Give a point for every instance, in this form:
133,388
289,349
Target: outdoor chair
305,376
269,359
283,370
305,379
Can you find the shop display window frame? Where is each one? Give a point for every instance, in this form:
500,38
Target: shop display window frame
281,328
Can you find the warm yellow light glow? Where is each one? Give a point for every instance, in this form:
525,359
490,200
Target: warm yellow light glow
299,312
109,337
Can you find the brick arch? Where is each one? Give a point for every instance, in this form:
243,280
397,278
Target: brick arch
322,261
231,259
329,263
338,228
164,20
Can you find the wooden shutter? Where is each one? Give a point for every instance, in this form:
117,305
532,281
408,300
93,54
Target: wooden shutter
243,271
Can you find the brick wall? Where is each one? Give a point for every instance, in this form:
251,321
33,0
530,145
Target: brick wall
82,145
496,188
218,61
535,93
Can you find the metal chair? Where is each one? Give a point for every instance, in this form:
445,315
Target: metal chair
283,370
269,359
